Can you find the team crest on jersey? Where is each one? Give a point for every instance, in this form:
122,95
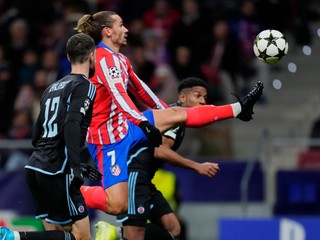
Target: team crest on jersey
115,170
140,209
114,72
81,208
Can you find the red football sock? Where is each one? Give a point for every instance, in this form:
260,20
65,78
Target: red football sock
95,197
203,115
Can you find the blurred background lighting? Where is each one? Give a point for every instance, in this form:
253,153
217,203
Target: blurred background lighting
277,84
306,50
292,67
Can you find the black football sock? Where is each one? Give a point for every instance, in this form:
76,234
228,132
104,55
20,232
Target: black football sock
156,232
48,235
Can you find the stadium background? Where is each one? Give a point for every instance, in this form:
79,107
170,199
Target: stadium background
269,176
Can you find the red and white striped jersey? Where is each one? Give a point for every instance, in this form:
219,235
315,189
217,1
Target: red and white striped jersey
113,106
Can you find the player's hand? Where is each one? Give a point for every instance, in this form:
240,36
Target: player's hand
76,178
208,169
152,133
90,172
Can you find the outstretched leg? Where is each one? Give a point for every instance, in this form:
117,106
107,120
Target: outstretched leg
203,115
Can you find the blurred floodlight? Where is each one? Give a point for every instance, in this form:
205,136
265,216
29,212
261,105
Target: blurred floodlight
307,50
318,32
292,67
277,84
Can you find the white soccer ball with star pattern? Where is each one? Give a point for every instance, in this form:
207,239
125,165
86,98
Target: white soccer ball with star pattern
270,46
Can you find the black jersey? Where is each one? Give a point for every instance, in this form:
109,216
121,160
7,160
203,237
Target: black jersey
61,127
142,158
177,134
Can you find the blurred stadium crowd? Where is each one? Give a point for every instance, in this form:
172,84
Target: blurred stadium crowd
168,40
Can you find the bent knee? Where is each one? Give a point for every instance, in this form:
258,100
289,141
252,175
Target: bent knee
176,231
117,207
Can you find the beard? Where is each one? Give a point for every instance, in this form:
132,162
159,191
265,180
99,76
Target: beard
92,71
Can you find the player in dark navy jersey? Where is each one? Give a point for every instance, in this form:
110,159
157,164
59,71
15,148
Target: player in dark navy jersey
191,92
145,201
54,172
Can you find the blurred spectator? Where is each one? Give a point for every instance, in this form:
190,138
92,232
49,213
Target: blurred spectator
155,51
143,67
221,62
183,65
218,9
140,7
51,64
136,28
166,83
73,10
37,13
103,5
7,93
40,83
21,128
25,98
245,28
30,64
55,37
191,30
301,17
161,18
18,42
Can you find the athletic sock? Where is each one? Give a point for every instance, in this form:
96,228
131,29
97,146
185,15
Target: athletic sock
203,115
95,197
48,235
156,232
119,232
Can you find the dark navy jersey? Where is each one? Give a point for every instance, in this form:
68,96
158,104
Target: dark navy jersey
141,158
61,127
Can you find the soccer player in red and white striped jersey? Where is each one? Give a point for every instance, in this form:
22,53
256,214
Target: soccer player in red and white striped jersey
114,77
113,108
117,125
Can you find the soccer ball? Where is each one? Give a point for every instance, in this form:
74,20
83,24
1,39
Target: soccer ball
270,46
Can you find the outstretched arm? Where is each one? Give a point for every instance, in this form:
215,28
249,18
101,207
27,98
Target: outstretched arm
165,153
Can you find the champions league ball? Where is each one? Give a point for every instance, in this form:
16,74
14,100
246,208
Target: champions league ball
270,46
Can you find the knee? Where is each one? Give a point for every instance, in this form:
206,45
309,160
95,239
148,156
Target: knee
117,201
175,230
117,207
174,227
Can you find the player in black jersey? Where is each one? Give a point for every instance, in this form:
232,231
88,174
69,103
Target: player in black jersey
54,172
145,201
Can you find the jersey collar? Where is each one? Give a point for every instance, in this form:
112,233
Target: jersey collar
101,44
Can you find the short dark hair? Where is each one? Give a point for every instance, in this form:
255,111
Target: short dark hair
79,46
190,82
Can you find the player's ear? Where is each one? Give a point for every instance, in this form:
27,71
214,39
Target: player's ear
107,31
181,98
68,57
92,57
